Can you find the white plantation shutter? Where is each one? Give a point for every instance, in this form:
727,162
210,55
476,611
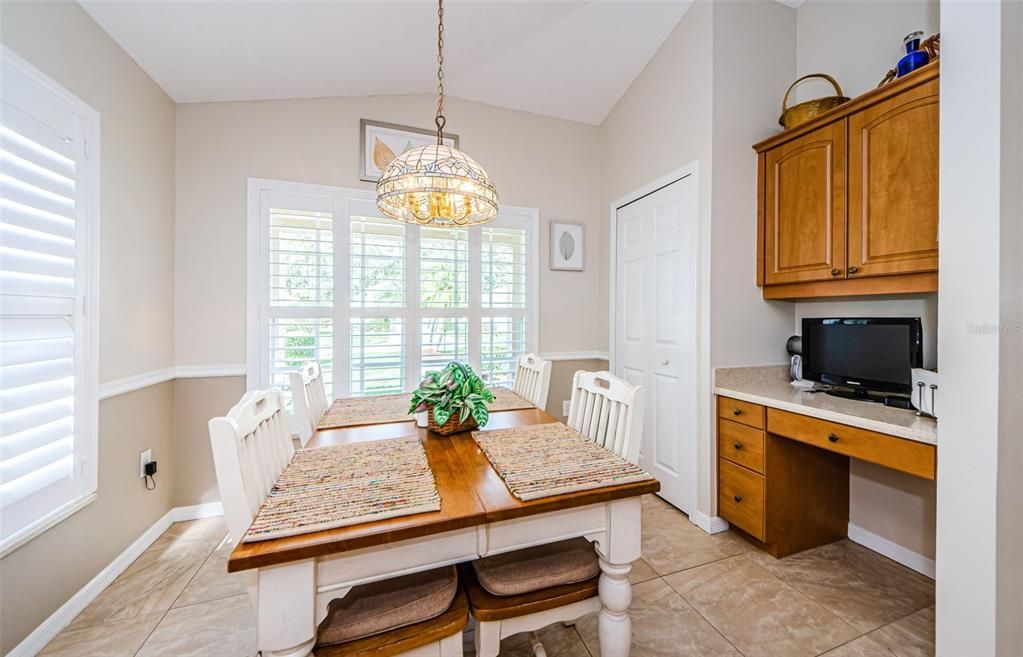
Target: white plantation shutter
298,237
506,301
379,302
48,235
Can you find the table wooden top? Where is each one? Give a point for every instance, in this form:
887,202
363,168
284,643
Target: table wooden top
471,492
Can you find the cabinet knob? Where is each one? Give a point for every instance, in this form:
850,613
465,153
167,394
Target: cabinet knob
833,438
836,272
737,445
736,411
737,498
853,269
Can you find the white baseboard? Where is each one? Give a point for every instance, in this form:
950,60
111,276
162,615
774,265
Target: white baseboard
197,511
709,524
58,620
894,551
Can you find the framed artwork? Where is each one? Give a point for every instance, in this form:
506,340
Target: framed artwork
379,143
566,246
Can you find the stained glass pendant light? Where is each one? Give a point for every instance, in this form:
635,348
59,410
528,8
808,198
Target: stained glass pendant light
435,184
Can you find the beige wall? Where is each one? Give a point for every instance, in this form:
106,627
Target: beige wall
857,42
136,307
536,161
195,402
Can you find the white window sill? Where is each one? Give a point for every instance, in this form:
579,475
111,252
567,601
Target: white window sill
15,541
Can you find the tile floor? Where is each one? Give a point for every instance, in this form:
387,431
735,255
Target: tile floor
694,594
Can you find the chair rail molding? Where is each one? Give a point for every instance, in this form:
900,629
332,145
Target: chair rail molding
128,384
575,355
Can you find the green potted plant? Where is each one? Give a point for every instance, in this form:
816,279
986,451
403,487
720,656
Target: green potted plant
455,397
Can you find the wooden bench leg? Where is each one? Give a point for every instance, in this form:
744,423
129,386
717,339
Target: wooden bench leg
285,618
614,627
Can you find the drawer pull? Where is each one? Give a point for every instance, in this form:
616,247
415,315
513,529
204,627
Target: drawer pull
736,411
737,445
833,438
737,498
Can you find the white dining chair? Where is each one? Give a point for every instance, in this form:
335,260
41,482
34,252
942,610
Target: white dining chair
556,582
609,411
309,398
251,447
533,379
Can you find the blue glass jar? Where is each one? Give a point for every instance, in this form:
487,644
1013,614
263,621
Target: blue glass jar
914,57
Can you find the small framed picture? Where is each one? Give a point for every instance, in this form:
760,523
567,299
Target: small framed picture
379,143
566,246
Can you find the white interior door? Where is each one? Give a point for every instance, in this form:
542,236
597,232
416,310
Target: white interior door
655,328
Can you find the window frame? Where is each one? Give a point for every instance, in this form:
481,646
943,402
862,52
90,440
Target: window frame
86,140
343,203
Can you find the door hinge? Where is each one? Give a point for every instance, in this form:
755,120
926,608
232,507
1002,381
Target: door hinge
85,148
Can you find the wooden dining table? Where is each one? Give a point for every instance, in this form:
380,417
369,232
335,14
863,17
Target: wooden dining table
295,578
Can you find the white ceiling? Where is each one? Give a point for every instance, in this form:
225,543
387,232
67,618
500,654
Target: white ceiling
571,60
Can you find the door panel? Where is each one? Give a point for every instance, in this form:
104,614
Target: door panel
655,333
893,185
805,208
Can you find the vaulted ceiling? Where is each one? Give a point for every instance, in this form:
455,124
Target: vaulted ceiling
571,60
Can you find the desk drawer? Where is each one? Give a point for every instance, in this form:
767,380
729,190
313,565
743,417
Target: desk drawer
751,415
741,444
901,454
741,498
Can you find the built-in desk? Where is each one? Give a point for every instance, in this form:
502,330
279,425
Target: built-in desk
783,455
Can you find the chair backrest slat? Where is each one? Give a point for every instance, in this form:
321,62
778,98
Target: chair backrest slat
608,411
309,398
533,379
251,447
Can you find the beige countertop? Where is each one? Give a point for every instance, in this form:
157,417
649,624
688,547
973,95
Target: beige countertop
770,386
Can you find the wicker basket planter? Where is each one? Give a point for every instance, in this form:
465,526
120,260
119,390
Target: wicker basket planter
452,425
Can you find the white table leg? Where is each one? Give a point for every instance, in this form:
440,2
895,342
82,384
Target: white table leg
285,610
614,627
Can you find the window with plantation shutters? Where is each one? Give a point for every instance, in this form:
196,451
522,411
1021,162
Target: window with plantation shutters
379,303
49,163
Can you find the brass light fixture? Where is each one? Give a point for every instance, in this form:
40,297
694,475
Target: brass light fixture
435,184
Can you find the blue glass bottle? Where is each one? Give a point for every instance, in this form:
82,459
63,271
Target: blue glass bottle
914,57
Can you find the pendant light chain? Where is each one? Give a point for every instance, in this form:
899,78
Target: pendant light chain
440,120
437,185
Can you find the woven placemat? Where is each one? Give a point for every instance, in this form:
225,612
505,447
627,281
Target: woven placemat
543,460
333,487
506,400
383,409
355,411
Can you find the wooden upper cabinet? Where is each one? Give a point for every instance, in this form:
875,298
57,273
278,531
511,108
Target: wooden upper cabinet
848,203
805,208
893,185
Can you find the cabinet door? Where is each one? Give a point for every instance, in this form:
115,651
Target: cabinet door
893,185
804,208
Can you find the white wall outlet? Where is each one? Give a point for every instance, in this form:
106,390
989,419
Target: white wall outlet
564,408
144,458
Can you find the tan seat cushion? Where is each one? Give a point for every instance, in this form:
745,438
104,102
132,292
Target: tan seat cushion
387,605
539,567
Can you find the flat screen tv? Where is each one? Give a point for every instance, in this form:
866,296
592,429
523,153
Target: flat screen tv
864,354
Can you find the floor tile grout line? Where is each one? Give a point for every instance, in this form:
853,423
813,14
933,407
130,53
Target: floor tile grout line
707,620
578,634
706,563
168,609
